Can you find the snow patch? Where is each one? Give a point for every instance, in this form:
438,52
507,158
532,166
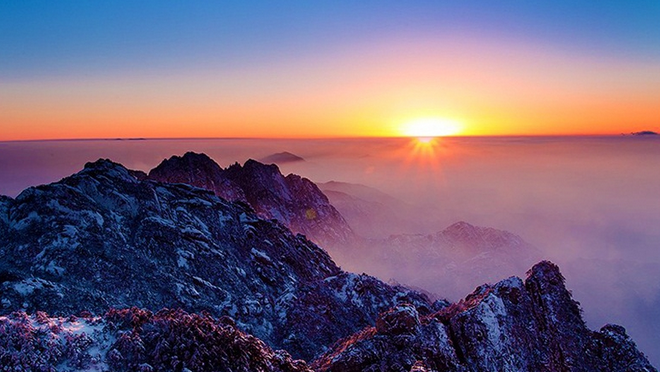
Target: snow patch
493,308
27,286
161,221
52,268
183,257
199,281
32,217
261,255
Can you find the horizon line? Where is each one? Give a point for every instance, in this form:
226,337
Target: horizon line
310,138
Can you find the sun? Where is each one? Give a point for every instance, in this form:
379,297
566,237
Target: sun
425,129
426,146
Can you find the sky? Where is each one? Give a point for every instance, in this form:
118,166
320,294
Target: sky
301,69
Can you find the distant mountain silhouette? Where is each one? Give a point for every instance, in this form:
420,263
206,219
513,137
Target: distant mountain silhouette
449,262
370,212
281,158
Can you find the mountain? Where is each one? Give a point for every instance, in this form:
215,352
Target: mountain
360,191
102,238
293,200
106,241
513,325
197,170
281,158
450,262
370,212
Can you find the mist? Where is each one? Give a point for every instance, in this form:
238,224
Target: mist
590,204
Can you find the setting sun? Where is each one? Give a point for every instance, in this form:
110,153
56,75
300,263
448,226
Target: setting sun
427,128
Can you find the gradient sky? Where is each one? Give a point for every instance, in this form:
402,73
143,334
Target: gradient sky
74,69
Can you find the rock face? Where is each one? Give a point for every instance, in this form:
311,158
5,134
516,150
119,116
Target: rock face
108,238
101,238
135,340
198,170
512,326
402,319
294,201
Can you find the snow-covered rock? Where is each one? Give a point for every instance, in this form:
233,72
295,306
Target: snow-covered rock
134,340
107,238
513,325
102,238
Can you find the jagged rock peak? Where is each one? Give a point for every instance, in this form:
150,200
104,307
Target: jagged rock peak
619,351
509,326
190,164
546,272
254,169
254,165
102,163
196,156
199,170
191,158
293,200
107,168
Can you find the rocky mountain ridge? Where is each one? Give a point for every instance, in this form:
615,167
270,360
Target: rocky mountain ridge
513,325
107,237
102,238
293,200
454,260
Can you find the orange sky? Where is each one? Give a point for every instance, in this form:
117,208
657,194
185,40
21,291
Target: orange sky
491,87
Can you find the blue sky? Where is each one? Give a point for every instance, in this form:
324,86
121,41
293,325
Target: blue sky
42,38
347,67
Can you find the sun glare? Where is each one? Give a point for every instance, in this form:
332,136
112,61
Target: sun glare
425,129
426,146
